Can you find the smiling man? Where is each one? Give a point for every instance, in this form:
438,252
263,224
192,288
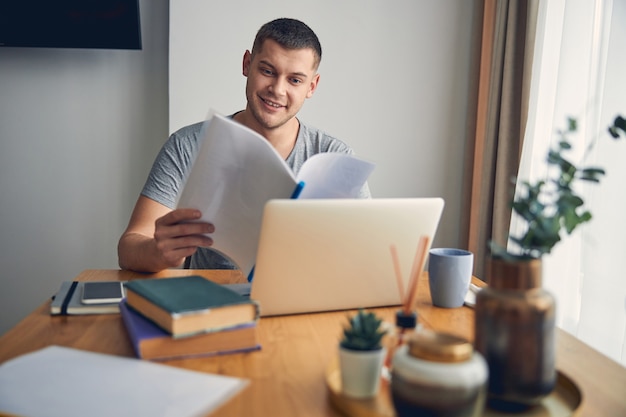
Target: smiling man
281,72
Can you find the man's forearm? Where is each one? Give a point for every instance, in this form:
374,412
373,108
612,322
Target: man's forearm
138,252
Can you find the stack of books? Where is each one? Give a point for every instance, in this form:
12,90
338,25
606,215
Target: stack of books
170,318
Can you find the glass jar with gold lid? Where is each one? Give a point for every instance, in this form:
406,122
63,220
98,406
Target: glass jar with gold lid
438,374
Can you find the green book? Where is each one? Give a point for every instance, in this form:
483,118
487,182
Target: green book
187,306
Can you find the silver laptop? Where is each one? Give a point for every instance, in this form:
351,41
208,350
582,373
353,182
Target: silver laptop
334,254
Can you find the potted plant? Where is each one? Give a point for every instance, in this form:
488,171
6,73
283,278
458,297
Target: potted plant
515,317
361,355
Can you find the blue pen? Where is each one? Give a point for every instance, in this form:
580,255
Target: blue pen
294,195
298,190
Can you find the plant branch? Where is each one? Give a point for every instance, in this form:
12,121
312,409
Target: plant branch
552,207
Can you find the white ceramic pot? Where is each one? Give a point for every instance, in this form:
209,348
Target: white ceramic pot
438,375
361,371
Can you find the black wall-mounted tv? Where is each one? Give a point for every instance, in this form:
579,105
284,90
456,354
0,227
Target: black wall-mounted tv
99,24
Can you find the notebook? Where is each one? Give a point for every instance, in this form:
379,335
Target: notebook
334,254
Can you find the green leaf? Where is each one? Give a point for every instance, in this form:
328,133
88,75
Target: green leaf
586,216
572,124
592,174
564,145
364,332
554,157
523,209
618,124
569,201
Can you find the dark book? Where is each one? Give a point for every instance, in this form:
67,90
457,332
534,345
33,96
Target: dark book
68,301
151,342
187,306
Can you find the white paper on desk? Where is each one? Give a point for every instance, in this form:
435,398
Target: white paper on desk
236,171
59,381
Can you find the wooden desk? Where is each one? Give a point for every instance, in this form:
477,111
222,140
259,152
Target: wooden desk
288,375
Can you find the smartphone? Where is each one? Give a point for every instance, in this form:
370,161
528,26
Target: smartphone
102,292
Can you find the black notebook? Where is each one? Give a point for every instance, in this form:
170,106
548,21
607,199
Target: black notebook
67,301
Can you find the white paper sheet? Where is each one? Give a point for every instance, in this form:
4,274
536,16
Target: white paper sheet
66,382
237,171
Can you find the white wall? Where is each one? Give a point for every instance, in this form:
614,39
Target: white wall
395,82
79,129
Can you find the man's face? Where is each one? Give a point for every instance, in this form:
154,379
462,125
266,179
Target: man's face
279,80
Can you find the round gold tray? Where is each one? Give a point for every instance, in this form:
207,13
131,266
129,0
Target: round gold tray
564,401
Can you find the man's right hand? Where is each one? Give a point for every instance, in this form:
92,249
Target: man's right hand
178,234
158,238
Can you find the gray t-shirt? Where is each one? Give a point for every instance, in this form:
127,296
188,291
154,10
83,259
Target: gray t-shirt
176,157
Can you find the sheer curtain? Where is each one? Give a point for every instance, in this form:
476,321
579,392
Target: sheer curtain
578,71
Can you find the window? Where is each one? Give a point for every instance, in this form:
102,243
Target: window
578,72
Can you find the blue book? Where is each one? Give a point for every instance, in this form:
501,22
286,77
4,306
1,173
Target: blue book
151,342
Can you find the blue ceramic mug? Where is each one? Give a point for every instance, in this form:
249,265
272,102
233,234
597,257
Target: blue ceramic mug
449,276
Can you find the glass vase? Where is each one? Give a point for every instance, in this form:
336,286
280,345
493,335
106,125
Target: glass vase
514,331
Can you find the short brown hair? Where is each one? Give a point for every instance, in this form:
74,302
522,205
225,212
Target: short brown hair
290,34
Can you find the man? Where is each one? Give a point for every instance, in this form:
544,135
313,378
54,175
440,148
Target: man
281,74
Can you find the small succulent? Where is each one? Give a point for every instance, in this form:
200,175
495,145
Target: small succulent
364,332
551,207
